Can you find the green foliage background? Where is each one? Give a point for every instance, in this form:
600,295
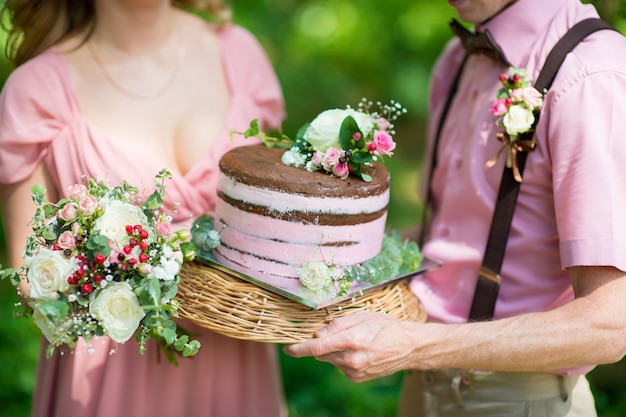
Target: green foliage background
329,53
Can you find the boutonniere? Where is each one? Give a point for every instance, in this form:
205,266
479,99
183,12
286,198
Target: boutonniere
516,109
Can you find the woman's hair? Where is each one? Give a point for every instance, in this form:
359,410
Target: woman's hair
32,26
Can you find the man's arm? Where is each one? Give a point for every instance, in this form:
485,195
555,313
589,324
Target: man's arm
589,330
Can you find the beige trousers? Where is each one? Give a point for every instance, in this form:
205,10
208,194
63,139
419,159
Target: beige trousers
462,393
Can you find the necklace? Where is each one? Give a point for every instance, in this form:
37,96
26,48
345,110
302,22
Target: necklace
118,86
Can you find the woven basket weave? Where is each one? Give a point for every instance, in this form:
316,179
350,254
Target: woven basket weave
235,308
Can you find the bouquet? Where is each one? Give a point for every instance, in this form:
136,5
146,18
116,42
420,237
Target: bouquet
100,263
339,141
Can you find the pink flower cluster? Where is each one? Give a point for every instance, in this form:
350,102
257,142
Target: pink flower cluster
335,160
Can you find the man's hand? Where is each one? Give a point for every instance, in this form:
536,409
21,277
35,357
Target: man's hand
364,345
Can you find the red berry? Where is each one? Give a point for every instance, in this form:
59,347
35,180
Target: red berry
73,280
133,241
517,78
143,258
143,246
127,249
80,272
129,229
132,261
86,288
503,78
97,279
143,234
99,259
137,227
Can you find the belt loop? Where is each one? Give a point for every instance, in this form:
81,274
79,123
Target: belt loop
455,388
563,388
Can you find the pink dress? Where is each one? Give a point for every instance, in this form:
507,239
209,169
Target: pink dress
40,121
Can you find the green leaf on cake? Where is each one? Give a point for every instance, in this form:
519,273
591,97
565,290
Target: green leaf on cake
348,128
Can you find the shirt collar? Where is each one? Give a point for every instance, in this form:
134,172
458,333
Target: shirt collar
519,25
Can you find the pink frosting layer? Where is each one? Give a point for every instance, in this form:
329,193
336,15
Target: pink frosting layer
279,247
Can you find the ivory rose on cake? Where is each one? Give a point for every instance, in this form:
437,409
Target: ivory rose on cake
323,132
315,275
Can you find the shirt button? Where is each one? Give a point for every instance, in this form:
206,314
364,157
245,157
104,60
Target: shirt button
457,162
444,231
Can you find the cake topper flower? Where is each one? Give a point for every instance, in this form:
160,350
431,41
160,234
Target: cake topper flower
102,262
340,141
516,108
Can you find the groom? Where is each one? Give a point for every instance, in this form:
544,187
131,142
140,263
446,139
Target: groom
559,310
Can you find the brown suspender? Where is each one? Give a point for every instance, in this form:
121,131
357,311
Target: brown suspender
488,283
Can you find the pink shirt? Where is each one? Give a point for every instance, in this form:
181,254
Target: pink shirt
572,205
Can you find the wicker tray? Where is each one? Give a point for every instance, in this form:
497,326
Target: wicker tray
218,301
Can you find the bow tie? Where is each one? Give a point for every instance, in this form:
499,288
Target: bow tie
479,43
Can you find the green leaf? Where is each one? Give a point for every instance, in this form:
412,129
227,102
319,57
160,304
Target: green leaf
155,201
253,130
361,157
154,290
348,128
54,310
38,194
169,336
191,348
97,244
366,177
180,343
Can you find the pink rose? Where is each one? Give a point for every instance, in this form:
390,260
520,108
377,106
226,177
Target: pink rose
76,228
76,192
331,158
499,107
317,159
384,143
383,124
517,94
114,256
66,240
341,170
532,97
68,212
162,228
88,205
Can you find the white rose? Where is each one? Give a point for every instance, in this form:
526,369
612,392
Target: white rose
117,215
118,311
315,275
323,132
47,274
518,119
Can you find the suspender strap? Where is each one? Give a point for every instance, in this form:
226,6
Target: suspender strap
433,156
488,284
